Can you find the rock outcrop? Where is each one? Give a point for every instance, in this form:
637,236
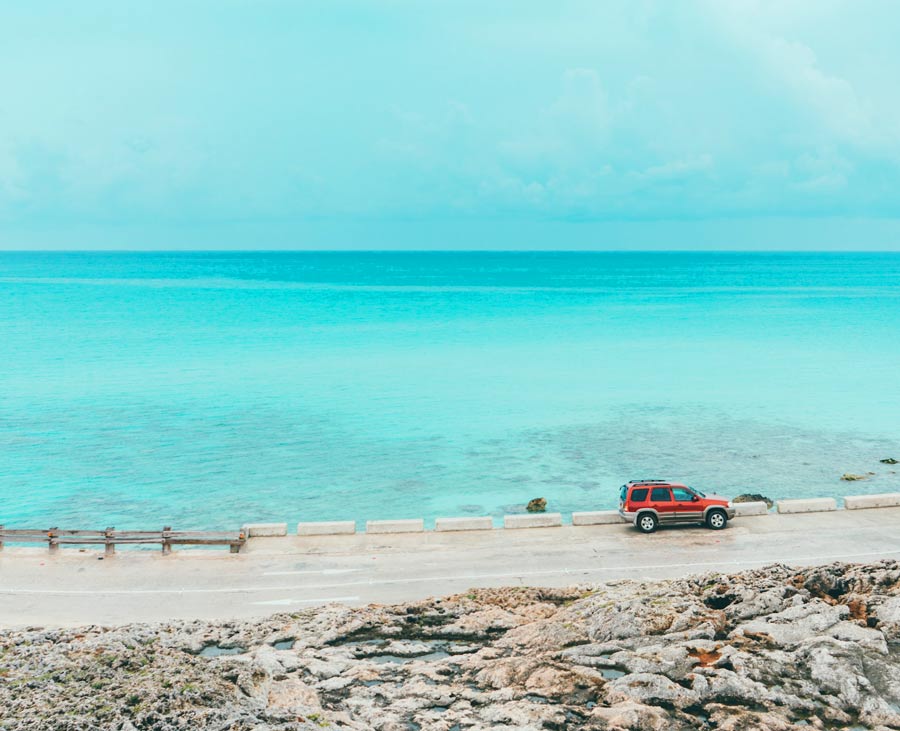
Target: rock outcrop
753,497
775,649
536,505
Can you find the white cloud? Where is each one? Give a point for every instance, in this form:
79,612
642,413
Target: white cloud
679,168
582,104
832,98
795,46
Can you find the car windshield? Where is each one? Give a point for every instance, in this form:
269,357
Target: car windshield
697,492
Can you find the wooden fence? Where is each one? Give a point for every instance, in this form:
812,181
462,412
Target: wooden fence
110,538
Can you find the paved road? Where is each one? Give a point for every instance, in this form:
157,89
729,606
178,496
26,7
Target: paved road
281,574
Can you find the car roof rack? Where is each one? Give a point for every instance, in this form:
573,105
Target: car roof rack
650,482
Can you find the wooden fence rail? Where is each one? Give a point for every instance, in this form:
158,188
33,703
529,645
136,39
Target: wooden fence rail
110,537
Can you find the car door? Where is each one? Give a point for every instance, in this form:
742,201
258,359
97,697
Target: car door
687,507
661,501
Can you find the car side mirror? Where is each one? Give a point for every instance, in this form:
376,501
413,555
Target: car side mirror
694,498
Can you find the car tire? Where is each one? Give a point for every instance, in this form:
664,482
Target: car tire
647,522
716,519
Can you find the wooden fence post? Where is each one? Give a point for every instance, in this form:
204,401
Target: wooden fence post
236,547
166,546
110,546
53,539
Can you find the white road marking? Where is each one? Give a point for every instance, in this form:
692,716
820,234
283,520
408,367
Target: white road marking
324,600
628,570
324,572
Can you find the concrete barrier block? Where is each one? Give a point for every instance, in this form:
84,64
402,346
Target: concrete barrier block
881,500
263,530
597,517
750,509
395,526
327,528
532,520
812,505
447,524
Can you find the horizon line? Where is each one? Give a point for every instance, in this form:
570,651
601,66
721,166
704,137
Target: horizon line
446,251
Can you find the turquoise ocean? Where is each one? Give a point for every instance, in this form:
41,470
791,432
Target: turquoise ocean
210,389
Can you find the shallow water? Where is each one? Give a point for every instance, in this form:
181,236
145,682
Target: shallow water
205,390
219,651
429,657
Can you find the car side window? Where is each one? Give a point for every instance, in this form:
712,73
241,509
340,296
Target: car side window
639,494
682,495
661,495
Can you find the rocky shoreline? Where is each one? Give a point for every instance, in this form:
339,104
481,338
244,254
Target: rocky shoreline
775,649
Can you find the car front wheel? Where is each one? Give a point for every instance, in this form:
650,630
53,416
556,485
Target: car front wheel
716,519
647,522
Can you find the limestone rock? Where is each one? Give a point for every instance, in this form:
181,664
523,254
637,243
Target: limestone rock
633,717
536,505
753,497
775,648
649,688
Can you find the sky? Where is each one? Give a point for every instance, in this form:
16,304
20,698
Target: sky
267,124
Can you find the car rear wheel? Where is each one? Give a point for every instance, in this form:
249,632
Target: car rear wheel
716,519
647,522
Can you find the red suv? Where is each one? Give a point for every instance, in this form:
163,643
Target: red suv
649,503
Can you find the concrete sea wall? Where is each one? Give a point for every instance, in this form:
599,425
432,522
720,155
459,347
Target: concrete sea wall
550,520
